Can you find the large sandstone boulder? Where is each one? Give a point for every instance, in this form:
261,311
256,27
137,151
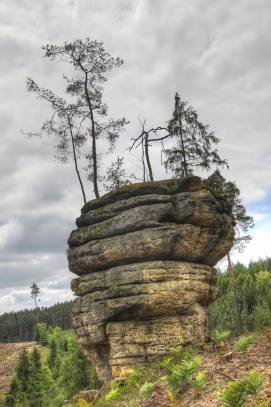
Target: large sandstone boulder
144,255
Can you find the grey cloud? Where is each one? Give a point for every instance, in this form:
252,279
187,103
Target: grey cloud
216,55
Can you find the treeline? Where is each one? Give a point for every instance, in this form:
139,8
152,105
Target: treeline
46,378
253,285
20,326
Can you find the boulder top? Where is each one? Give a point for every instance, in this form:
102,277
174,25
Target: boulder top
162,187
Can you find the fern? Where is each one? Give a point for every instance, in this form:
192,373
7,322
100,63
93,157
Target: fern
133,380
240,389
220,337
199,381
180,374
146,389
243,343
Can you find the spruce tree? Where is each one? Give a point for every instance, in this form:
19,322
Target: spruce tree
243,222
13,397
194,143
36,392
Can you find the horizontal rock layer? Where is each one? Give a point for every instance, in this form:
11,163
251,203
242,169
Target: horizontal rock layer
144,256
151,303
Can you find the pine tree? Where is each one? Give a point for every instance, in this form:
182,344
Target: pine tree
90,63
116,175
34,294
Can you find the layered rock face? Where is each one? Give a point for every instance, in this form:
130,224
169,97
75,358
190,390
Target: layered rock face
144,255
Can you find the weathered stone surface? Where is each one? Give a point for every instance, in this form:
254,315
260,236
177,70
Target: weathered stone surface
183,242
140,310
144,256
168,186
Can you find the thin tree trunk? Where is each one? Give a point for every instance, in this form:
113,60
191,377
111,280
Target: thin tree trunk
143,161
95,170
37,313
93,136
75,163
184,157
146,146
235,295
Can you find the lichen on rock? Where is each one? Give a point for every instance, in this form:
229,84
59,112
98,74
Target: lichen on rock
144,255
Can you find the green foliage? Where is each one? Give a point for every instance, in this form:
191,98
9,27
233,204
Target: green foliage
116,175
133,379
193,147
220,337
253,283
53,354
38,384
243,343
20,326
261,317
200,381
240,389
72,123
171,397
180,374
23,371
40,334
146,389
82,403
243,221
177,353
116,392
31,381
13,396
76,372
176,356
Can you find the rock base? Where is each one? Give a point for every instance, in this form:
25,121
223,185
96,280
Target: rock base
130,315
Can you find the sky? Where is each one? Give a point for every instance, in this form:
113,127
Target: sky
215,54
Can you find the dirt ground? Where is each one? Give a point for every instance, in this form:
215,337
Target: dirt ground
221,365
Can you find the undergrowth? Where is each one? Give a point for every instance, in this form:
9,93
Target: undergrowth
181,371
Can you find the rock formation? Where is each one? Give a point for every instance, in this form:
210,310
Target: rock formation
144,255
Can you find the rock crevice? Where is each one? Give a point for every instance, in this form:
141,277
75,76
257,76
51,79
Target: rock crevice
144,255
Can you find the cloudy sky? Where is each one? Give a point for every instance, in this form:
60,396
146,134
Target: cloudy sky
216,54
